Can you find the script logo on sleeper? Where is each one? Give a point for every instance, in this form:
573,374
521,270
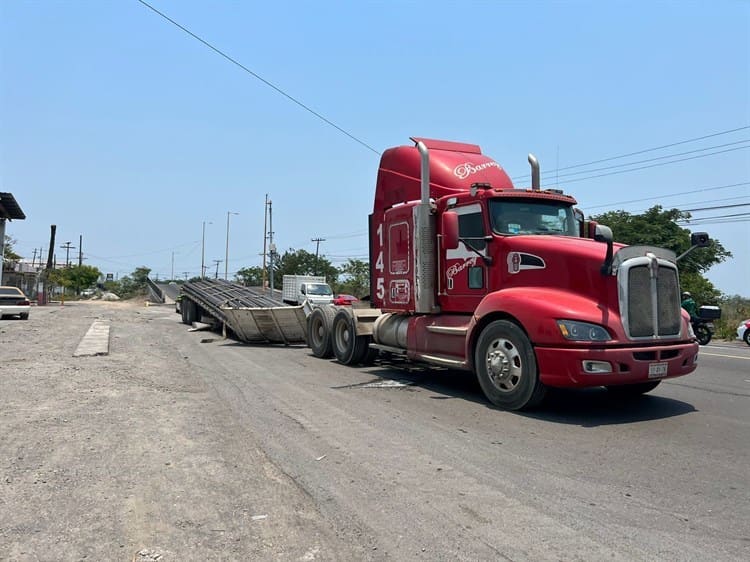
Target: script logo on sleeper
464,170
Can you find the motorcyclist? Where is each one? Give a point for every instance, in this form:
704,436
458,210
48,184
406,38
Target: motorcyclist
690,306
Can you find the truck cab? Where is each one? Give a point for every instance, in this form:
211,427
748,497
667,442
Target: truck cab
471,272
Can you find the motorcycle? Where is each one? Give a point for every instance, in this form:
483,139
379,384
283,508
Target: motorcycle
703,330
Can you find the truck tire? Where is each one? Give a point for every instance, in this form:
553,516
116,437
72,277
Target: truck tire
506,367
319,326
348,348
191,313
632,390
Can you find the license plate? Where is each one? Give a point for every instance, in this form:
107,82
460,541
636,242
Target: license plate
656,370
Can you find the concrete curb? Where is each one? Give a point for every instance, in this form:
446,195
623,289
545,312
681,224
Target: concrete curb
95,342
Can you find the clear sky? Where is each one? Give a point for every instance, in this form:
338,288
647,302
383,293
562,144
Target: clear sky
117,126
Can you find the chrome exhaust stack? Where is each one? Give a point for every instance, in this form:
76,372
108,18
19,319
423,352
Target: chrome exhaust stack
424,243
535,181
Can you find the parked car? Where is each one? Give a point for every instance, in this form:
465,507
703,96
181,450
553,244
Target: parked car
743,331
344,299
14,303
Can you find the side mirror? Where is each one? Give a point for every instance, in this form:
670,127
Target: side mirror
450,230
697,240
700,239
604,234
302,290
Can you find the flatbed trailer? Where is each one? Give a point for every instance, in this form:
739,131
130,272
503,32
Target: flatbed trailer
252,314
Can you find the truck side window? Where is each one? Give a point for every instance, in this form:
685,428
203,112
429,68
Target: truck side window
476,277
471,227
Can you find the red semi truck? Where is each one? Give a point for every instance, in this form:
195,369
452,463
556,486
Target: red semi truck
512,284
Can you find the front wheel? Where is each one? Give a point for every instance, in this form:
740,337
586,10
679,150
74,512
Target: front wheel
702,334
506,367
746,336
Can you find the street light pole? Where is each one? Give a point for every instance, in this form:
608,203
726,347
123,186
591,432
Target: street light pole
203,251
226,256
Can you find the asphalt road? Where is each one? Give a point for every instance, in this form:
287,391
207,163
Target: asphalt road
418,462
267,452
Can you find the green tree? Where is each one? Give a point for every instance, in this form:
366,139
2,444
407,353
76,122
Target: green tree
10,254
131,285
302,262
57,278
354,278
81,276
250,276
658,227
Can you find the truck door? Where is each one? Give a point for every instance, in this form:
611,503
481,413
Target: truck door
465,272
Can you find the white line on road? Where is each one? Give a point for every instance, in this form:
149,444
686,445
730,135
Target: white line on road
722,355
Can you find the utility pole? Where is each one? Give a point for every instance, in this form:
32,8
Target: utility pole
271,247
68,247
226,256
265,239
33,259
172,278
317,247
185,273
50,258
80,250
217,262
203,251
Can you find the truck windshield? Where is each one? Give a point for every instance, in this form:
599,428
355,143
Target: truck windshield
318,289
532,217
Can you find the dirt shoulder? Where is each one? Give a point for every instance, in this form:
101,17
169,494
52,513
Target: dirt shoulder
131,456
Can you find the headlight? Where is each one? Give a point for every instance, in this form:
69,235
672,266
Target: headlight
582,331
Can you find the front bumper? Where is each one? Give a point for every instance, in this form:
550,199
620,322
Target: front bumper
564,367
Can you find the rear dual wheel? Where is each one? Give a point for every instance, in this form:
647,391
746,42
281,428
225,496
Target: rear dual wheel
319,326
348,347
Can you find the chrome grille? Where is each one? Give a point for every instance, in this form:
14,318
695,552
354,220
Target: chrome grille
650,305
640,322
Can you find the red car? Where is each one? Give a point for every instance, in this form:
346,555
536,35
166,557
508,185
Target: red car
344,299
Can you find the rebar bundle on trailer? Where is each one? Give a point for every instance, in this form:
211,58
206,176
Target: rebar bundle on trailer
252,314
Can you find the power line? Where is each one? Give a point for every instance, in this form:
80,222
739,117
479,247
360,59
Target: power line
259,77
659,164
655,158
717,219
640,211
716,207
643,151
701,190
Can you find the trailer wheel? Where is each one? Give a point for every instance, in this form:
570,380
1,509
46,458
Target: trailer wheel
191,313
506,367
632,390
348,348
319,326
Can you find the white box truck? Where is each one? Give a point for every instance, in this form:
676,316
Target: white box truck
299,288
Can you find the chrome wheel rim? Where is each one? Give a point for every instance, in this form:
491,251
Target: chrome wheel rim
504,364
